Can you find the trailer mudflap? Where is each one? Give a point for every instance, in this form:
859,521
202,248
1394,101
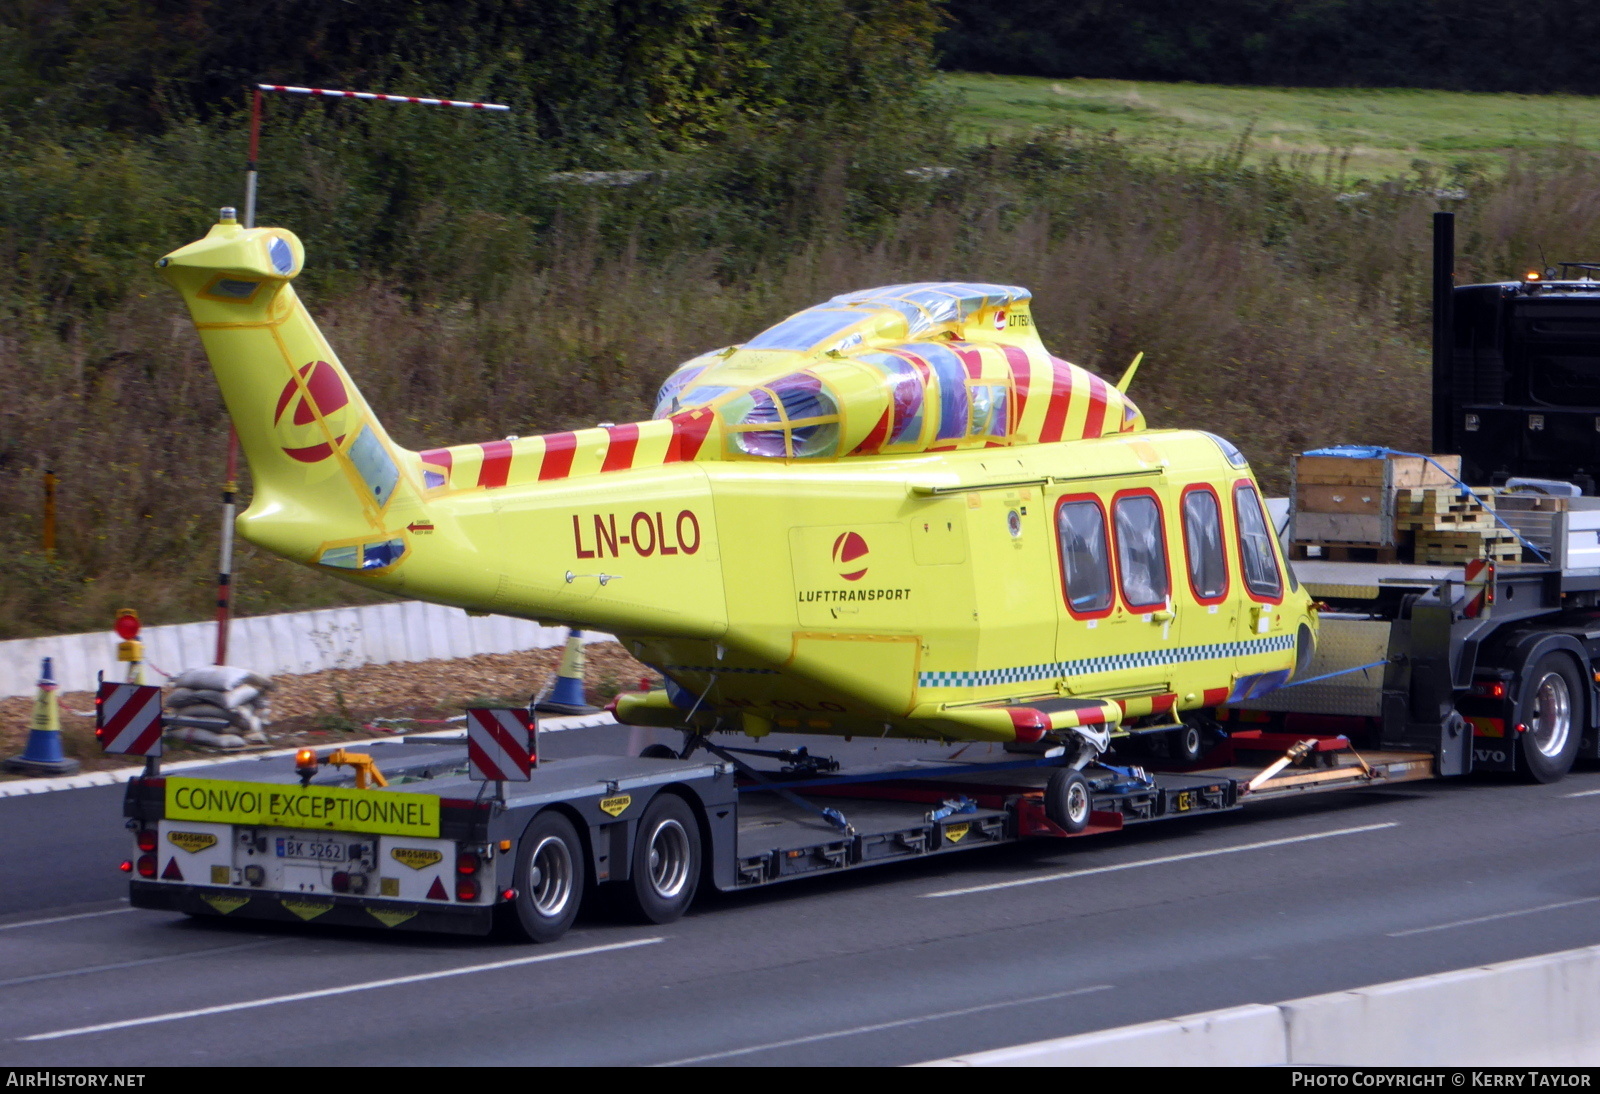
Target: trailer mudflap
283,907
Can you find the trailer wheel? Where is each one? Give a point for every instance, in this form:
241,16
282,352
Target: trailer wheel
658,752
666,861
1551,706
549,880
1066,799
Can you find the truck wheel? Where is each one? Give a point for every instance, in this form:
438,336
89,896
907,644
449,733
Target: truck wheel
658,752
549,880
666,861
1551,706
1066,799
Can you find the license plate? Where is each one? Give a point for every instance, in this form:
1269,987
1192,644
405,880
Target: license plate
315,850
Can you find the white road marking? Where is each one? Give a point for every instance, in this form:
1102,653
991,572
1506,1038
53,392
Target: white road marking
1040,879
62,918
882,1025
1492,918
321,993
1582,794
15,980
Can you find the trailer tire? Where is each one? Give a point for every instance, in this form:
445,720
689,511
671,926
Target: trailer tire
665,870
1067,800
658,752
1550,704
549,881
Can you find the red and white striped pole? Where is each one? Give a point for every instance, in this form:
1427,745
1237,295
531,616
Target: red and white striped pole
374,96
230,487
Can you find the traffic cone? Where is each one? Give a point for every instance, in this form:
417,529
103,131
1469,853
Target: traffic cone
567,696
43,756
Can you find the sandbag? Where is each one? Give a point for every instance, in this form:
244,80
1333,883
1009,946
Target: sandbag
218,678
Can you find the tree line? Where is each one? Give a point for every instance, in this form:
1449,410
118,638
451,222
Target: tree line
1461,45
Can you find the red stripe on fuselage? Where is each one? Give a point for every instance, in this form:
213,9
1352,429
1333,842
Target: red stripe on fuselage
688,434
623,444
1094,423
557,462
439,457
1021,383
496,466
874,439
1055,415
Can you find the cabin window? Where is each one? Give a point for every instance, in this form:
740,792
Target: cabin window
1141,552
1085,558
1202,544
667,398
988,402
952,376
793,417
1257,560
806,329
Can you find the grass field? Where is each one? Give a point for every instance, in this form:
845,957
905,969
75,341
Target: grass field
1354,132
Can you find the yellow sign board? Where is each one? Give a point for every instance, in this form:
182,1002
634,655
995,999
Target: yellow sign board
617,805
192,842
376,811
416,857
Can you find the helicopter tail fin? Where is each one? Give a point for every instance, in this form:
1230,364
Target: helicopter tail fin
327,478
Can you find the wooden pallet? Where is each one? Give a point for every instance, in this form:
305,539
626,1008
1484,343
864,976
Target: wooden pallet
1443,509
1300,550
1464,546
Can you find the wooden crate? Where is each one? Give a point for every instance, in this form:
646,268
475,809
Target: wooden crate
1392,472
1339,500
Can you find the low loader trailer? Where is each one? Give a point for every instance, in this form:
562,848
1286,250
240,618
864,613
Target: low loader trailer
434,850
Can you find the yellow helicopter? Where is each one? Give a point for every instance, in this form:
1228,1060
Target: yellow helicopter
892,514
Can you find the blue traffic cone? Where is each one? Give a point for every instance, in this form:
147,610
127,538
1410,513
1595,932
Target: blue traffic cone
43,756
567,696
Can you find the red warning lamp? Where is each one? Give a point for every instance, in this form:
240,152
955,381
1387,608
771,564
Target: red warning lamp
127,624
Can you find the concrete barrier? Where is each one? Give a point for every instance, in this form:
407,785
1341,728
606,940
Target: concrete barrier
289,642
1541,1011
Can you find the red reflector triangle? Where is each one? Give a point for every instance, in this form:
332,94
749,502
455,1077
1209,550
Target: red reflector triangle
435,893
172,873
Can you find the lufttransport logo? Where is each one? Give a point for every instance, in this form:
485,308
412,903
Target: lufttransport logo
318,393
850,555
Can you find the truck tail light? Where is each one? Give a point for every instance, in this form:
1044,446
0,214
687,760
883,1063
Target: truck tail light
1489,689
466,888
467,863
147,866
127,866
146,839
340,882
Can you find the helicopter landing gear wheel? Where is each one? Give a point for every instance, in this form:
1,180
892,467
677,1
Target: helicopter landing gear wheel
1067,801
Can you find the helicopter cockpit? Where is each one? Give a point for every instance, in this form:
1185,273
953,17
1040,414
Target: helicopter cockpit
898,368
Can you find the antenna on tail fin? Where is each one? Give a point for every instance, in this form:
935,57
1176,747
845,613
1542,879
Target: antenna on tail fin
1127,377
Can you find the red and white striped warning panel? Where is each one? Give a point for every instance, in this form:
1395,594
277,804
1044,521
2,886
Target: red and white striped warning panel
128,719
500,744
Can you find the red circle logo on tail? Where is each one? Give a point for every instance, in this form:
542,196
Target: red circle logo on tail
317,395
850,553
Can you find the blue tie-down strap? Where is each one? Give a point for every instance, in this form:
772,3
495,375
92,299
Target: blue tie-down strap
952,806
1375,452
1331,675
1130,778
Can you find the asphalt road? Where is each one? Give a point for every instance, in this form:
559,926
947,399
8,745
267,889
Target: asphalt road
896,965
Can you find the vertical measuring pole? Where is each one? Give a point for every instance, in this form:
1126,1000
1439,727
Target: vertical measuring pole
255,153
1444,263
230,490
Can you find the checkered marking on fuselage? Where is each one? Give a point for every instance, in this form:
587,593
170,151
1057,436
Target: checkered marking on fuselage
1023,674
